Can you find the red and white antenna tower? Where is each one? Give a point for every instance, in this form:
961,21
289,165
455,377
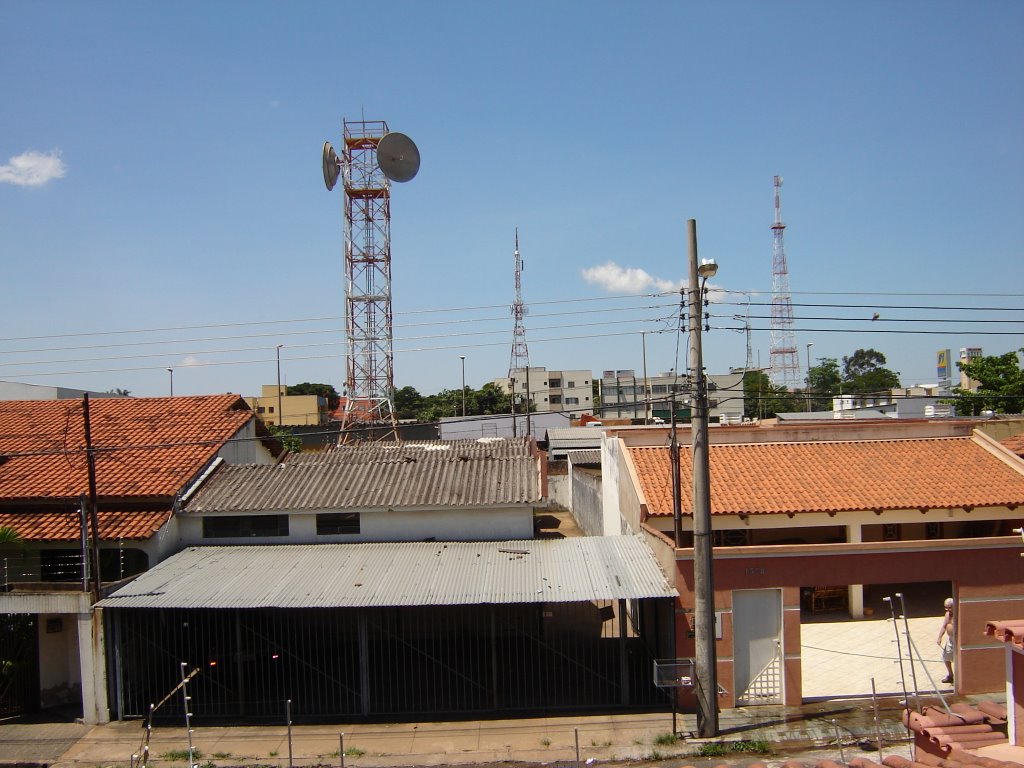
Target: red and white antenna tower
520,359
785,362
371,158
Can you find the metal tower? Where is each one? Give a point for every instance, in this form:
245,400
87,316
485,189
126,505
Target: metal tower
520,359
785,362
369,371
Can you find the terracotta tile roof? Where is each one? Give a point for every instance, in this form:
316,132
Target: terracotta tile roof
65,526
1008,631
768,478
1015,444
964,729
145,447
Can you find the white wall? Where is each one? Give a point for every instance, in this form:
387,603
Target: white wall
496,524
60,678
245,449
560,491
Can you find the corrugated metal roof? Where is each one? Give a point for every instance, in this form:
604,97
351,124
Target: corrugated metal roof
419,450
580,458
399,574
575,437
459,473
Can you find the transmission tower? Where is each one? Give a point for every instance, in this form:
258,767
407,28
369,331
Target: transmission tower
369,374
785,362
520,359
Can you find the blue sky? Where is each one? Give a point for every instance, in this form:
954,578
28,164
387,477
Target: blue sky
160,169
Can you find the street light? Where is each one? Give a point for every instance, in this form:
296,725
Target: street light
703,572
463,359
809,345
171,371
280,415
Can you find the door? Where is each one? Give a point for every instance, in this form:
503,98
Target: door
757,646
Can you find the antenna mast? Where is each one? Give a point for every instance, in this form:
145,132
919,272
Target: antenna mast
369,375
785,363
520,359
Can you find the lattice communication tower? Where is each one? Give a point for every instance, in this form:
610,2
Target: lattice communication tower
520,359
369,374
785,362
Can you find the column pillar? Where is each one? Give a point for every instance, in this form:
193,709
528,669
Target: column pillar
856,591
93,667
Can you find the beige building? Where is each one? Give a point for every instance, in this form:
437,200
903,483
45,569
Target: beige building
556,391
624,395
282,409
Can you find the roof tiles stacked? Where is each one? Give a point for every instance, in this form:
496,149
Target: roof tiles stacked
836,476
940,734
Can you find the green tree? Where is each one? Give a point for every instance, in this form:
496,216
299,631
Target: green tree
490,400
292,443
864,371
408,403
323,390
825,383
764,400
119,392
1000,385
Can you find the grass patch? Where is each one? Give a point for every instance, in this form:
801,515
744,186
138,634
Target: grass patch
354,752
665,739
545,742
712,750
180,754
719,749
654,755
758,747
221,755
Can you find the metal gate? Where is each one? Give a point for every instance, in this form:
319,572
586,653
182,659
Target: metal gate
383,662
19,664
757,646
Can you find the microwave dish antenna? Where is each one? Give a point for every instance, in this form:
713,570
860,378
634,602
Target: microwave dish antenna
332,166
397,157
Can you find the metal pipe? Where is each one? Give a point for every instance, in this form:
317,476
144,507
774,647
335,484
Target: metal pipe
647,395
899,652
910,655
280,413
463,359
809,398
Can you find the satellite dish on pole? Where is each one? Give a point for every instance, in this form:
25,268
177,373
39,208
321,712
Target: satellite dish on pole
332,166
397,157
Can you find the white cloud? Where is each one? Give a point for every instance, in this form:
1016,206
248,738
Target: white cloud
190,361
33,169
614,278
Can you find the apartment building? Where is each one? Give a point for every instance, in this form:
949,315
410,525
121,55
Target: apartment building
624,395
556,391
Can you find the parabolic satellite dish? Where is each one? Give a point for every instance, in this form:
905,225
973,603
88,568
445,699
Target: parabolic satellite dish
397,157
332,166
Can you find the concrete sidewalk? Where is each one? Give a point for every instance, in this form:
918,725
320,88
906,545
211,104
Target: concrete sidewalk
789,730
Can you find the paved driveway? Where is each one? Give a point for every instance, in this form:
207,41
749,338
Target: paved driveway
840,658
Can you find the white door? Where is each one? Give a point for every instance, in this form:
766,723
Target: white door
757,646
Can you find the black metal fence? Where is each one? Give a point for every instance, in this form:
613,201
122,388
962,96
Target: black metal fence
386,662
19,664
